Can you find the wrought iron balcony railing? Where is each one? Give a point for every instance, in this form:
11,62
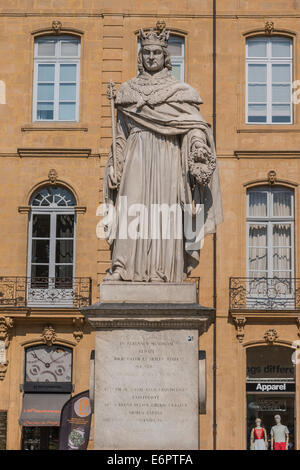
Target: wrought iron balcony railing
45,292
264,293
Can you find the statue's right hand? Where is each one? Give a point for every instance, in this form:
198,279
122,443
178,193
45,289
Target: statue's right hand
112,181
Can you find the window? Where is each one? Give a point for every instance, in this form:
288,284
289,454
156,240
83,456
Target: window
56,79
3,429
176,49
269,80
270,232
51,238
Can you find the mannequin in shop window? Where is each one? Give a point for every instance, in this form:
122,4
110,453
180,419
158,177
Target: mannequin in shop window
258,437
279,435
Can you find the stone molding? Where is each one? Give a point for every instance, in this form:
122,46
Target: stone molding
107,316
53,152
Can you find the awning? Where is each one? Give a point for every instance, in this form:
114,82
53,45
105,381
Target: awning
42,409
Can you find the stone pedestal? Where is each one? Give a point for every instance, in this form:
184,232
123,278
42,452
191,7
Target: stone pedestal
146,392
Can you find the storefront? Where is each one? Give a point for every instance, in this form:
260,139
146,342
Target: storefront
47,387
270,389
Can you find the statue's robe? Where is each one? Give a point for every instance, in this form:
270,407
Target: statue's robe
157,118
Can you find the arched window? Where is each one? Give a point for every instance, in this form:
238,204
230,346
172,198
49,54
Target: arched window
51,238
269,63
270,232
56,78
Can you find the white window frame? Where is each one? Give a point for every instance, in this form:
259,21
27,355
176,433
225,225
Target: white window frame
57,60
269,220
53,212
269,61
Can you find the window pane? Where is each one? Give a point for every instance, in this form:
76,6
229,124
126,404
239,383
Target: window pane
257,73
281,73
46,48
256,275
67,111
39,271
282,259
281,113
64,251
65,226
257,204
67,91
257,93
175,48
45,91
69,48
257,48
281,93
65,272
176,71
257,113
281,48
287,275
45,111
41,225
46,73
282,235
258,259
40,251
68,73
258,235
282,203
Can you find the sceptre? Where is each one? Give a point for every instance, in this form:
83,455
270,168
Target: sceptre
111,94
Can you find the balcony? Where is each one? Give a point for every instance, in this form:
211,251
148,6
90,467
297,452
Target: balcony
45,292
264,294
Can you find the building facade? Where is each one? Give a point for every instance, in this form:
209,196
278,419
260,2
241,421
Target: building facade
57,58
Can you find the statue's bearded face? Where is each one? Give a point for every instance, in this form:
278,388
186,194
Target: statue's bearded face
153,58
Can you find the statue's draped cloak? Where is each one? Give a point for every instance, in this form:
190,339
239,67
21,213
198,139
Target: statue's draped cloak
155,125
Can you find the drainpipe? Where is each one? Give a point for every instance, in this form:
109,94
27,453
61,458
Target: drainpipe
214,238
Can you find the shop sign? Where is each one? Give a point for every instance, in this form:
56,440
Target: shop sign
270,387
75,423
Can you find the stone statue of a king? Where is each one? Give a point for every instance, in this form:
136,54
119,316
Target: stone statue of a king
164,158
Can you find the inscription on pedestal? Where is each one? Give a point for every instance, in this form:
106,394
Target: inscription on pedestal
146,389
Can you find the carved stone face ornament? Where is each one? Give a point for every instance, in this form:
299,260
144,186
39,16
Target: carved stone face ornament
49,335
271,336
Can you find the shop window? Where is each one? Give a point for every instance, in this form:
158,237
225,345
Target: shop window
269,72
56,78
51,242
3,429
270,389
40,438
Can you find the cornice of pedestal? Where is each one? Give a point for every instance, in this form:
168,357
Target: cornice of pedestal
107,316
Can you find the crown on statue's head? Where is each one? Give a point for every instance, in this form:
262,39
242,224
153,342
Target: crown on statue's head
154,39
